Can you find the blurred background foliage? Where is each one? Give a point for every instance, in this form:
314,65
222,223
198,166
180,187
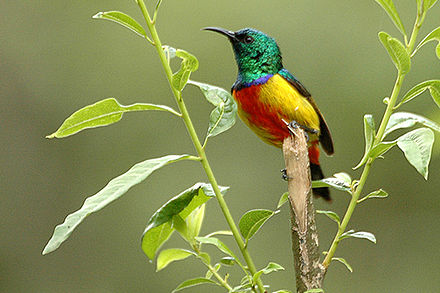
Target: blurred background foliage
54,59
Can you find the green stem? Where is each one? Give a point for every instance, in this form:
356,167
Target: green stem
378,139
218,277
200,150
222,281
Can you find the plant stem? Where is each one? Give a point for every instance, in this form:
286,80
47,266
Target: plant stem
378,139
218,277
201,152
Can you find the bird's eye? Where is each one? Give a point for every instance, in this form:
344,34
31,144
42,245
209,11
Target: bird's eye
248,39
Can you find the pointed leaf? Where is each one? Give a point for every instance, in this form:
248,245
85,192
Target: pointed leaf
397,52
432,85
432,36
283,199
228,260
390,9
216,242
360,234
209,274
271,267
404,120
167,256
205,257
331,182
155,238
344,177
375,194
189,64
124,20
224,114
427,4
417,147
102,113
179,224
344,262
221,232
182,204
195,220
315,291
381,148
194,282
332,215
252,221
112,191
369,133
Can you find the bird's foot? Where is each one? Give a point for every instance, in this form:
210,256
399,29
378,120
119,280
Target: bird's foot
284,175
294,125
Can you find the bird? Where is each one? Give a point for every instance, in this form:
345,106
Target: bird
268,96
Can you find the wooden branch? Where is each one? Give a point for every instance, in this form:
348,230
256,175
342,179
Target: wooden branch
309,271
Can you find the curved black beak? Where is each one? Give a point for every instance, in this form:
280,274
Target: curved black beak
229,34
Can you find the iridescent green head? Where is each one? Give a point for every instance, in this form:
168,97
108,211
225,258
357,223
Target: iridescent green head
256,53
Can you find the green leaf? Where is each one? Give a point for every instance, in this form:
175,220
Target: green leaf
252,221
360,234
124,20
432,36
432,85
405,120
205,257
224,114
195,220
344,262
381,148
369,133
194,282
397,52
102,113
271,267
167,256
216,242
332,215
112,191
390,9
417,147
182,204
179,224
343,177
189,64
427,4
282,291
315,291
331,182
221,232
375,194
283,199
209,274
155,238
228,260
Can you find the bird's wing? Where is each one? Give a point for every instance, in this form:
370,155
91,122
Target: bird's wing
325,137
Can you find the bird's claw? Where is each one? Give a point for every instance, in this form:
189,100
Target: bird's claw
294,125
284,175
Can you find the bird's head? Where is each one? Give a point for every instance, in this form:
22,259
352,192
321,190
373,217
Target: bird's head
256,53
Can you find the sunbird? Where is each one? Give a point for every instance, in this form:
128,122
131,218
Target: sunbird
268,96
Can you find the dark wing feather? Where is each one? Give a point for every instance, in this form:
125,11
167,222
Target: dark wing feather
325,138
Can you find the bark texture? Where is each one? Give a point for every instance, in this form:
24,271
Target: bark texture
305,246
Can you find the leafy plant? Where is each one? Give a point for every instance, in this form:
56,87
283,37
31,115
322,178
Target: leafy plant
185,212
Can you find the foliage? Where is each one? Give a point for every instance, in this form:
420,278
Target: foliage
185,212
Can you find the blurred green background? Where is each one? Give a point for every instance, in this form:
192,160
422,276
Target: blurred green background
54,59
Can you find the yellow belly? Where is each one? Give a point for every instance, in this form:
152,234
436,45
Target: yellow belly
264,107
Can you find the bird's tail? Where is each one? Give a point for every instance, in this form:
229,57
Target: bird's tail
316,173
